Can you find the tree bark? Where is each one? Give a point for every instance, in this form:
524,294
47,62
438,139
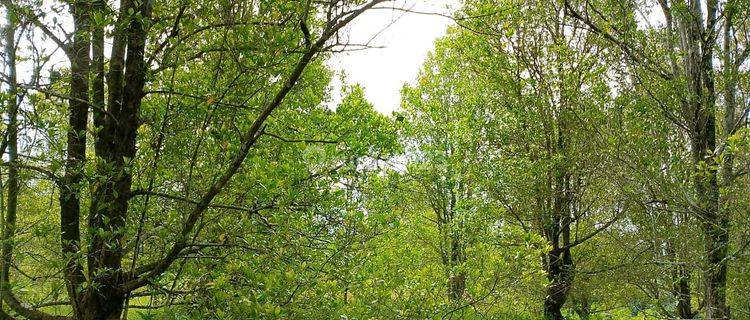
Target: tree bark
457,281
681,291
559,261
70,194
443,201
715,223
681,276
115,147
9,224
560,275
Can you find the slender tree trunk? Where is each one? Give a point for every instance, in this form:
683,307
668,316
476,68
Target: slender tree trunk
583,308
70,194
9,225
730,94
727,174
681,290
452,242
457,281
559,262
681,276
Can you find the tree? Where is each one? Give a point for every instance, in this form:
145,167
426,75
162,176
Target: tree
115,89
681,56
547,79
552,159
449,120
11,142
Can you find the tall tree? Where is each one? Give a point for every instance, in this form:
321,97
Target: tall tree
97,289
551,101
683,57
11,142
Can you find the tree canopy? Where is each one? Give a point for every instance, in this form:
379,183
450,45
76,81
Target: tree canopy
557,159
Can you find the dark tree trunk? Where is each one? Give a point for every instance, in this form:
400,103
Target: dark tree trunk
9,225
115,146
457,281
559,261
70,193
701,118
681,276
583,308
681,291
560,276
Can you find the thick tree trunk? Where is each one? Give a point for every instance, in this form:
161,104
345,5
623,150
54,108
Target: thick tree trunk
559,261
560,275
701,118
115,146
94,307
457,286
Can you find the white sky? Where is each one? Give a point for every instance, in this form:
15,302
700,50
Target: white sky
406,38
402,39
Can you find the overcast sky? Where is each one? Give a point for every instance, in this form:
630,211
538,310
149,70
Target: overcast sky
406,38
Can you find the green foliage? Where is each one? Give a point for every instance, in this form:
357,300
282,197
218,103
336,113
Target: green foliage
528,135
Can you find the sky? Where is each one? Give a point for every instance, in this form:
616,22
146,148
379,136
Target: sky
405,38
402,41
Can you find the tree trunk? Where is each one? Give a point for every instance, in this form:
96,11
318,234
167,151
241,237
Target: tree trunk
457,281
583,308
701,118
681,291
560,275
70,194
681,275
559,261
115,146
9,224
